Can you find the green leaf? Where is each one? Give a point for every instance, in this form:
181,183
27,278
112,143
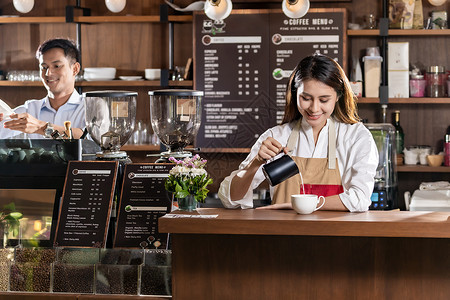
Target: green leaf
11,207
16,215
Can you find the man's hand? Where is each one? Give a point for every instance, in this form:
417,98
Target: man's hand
25,123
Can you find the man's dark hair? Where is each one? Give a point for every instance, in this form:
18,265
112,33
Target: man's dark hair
71,51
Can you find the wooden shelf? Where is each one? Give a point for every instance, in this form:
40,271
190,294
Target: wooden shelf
423,169
182,83
399,32
407,100
133,83
363,32
31,20
202,150
20,83
93,19
130,19
224,150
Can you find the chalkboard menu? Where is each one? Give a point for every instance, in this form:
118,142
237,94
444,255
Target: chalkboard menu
144,199
243,64
86,204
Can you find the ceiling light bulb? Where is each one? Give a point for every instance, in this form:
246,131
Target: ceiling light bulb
23,6
295,8
218,9
115,6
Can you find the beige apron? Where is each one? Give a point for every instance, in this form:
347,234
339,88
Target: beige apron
320,175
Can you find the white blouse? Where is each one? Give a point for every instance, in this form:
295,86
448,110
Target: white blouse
356,152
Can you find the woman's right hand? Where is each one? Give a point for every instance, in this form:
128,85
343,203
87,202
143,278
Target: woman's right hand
269,148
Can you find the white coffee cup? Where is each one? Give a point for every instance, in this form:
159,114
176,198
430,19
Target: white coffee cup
306,203
152,74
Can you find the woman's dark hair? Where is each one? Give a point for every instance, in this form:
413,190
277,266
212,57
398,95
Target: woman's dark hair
324,69
69,47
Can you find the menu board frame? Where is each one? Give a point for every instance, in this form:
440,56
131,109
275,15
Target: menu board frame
238,108
143,184
89,168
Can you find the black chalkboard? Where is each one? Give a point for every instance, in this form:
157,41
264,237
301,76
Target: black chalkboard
143,200
243,63
86,204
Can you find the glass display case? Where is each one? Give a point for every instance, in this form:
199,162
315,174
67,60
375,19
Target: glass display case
32,174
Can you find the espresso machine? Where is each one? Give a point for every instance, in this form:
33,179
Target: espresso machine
110,120
175,117
385,192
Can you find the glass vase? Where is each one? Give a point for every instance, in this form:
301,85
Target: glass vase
187,203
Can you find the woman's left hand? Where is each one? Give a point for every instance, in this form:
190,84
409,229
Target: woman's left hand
277,206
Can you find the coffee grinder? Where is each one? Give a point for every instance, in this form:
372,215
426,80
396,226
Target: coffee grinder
175,117
110,120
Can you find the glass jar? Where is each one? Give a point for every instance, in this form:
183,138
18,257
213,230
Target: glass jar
435,81
417,86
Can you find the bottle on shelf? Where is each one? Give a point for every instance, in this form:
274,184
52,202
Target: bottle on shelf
399,136
447,148
383,113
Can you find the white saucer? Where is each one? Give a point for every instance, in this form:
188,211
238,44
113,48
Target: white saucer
130,78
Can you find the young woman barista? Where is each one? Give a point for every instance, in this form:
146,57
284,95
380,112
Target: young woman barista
335,153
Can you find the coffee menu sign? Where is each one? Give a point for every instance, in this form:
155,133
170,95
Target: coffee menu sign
143,200
243,64
86,203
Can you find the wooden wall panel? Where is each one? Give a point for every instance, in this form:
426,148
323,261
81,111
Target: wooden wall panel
125,46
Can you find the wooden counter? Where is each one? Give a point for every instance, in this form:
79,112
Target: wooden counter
68,296
260,254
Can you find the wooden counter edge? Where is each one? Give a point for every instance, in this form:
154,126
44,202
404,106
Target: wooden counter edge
434,225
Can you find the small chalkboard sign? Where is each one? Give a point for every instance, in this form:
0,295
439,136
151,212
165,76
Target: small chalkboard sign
143,200
86,204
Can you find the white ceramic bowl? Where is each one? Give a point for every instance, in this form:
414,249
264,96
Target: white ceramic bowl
152,74
99,73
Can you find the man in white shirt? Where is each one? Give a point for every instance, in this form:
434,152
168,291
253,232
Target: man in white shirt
59,64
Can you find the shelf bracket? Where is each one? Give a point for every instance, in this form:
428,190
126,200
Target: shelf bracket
164,13
70,12
164,80
384,94
164,17
384,27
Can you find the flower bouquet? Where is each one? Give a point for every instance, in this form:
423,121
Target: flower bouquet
188,181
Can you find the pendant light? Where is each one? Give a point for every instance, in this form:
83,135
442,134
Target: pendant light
115,6
23,6
214,9
218,9
295,8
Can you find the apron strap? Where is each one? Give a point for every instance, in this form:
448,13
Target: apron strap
331,145
293,137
